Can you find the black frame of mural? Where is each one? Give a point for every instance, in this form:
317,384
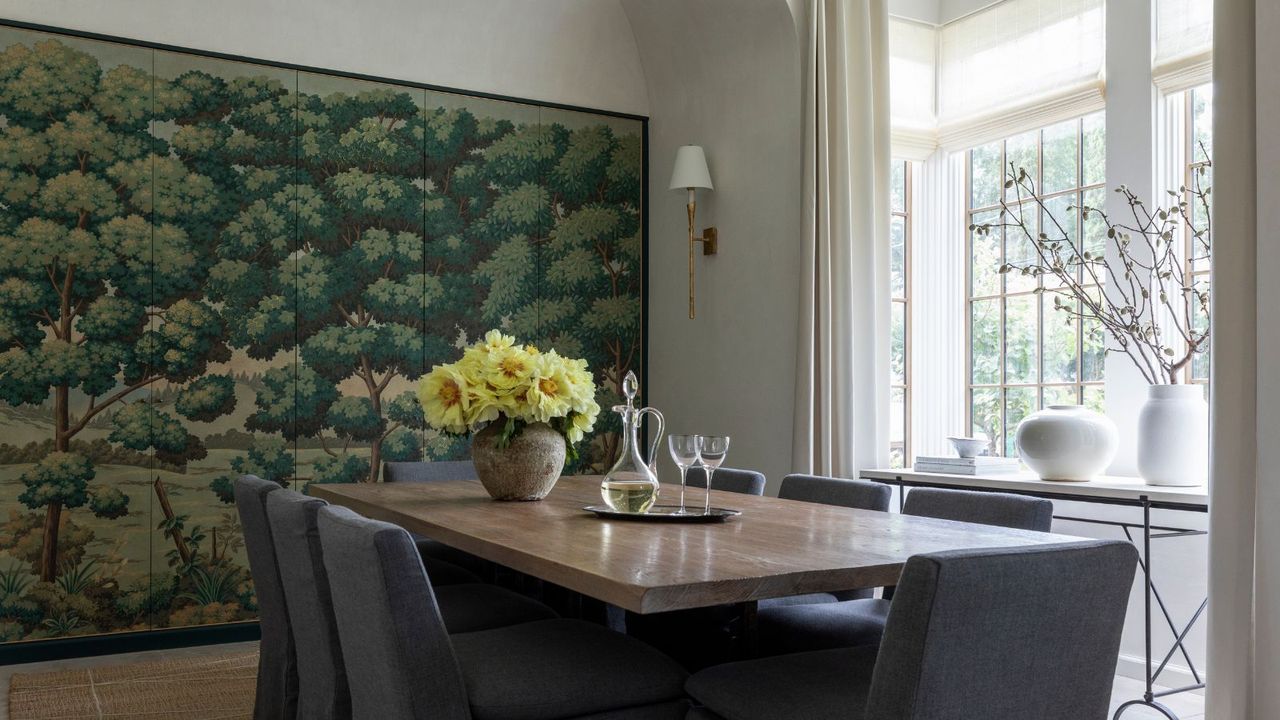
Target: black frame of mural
119,642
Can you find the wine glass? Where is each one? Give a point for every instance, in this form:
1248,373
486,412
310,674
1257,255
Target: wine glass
712,450
684,453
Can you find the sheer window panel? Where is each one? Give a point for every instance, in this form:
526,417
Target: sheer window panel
900,313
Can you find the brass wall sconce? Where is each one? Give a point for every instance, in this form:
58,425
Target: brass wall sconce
690,173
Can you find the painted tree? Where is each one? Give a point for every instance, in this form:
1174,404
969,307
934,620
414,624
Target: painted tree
101,274
568,270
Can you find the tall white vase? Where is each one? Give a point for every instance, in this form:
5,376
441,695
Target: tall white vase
1173,436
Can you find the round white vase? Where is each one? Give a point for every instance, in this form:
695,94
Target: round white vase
1067,442
1173,436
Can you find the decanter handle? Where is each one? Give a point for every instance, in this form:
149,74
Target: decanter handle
657,437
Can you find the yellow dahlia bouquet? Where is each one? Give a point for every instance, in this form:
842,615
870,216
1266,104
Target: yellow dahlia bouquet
498,380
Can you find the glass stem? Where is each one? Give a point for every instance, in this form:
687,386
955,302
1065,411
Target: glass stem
684,472
706,508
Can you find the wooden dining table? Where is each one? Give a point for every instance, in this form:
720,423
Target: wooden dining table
774,548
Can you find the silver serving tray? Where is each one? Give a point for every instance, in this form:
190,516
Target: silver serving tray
666,513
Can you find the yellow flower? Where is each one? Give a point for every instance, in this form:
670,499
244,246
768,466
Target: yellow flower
495,340
508,368
549,394
444,398
582,422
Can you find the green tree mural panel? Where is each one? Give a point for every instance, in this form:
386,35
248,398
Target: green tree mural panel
210,268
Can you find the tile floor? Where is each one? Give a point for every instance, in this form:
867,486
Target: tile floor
1189,706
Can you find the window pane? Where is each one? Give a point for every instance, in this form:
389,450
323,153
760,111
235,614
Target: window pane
898,186
1093,361
1095,149
1061,395
1059,224
897,427
1023,154
898,256
985,176
1018,403
1060,336
1199,321
984,334
1095,228
986,416
1061,143
1019,251
1094,398
1202,123
985,262
898,344
1020,326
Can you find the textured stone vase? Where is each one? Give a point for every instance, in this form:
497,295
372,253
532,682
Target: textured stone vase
526,469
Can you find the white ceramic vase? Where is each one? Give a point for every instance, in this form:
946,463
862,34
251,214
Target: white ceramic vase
1173,436
1067,442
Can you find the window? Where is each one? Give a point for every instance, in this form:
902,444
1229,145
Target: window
900,318
1197,148
1023,355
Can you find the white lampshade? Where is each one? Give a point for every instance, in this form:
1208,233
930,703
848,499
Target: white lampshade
691,169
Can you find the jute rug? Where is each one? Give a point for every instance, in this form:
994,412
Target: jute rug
193,688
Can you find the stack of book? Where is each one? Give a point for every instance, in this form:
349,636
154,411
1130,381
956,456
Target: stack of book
966,466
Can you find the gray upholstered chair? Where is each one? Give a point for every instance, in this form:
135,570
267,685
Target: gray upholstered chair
1003,634
466,607
433,471
277,689
745,482
985,508
859,494
851,622
402,664
446,564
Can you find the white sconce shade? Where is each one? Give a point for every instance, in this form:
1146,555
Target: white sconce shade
691,169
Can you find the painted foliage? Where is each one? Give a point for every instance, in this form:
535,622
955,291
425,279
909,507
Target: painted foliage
210,268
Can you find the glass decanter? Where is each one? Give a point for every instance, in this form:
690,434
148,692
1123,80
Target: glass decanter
631,485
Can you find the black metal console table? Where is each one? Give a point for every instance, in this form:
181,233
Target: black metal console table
1127,492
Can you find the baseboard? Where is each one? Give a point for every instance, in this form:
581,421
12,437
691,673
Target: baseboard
72,647
1133,666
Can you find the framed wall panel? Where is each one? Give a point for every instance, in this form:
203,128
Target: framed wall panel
215,265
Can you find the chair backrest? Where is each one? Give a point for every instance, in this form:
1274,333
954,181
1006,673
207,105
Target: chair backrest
985,508
746,482
277,691
436,471
1005,634
322,679
860,494
399,660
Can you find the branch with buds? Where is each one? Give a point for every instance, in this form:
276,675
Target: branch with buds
1142,293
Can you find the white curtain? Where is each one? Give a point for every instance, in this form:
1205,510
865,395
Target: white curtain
842,383
1244,485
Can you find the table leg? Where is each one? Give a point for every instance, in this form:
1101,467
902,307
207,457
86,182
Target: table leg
749,641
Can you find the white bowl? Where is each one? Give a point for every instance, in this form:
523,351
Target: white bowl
969,447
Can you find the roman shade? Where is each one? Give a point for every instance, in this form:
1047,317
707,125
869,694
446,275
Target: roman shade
1183,44
913,63
1018,65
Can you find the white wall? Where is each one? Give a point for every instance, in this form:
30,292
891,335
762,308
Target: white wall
725,74
578,52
